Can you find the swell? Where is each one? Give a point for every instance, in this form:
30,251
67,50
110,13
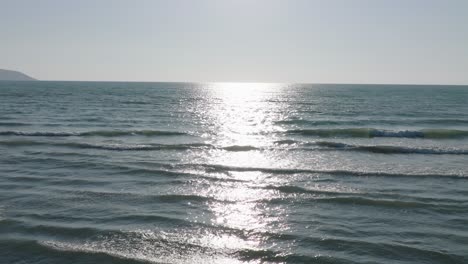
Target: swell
300,190
142,170
338,132
285,171
128,196
127,147
392,203
391,149
44,224
10,226
372,132
371,199
100,133
196,168
148,250
125,246
25,249
373,250
380,251
117,147
113,246
382,149
138,147
270,256
82,227
434,121
7,124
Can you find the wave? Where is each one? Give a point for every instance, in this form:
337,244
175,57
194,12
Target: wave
338,132
60,254
287,142
374,149
166,198
285,171
135,102
141,147
296,189
372,132
435,121
271,256
146,147
240,148
375,202
30,227
116,147
128,147
351,196
100,133
13,124
304,146
152,246
391,149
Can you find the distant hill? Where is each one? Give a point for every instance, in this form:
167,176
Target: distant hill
7,75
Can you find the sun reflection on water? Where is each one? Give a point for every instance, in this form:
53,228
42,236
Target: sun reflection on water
244,111
242,114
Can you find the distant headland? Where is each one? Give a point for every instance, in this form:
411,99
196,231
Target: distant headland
7,75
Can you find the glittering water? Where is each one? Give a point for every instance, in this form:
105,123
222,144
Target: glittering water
232,173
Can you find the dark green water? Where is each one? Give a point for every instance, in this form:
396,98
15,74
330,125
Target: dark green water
232,173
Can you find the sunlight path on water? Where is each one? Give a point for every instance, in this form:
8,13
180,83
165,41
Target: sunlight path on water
242,115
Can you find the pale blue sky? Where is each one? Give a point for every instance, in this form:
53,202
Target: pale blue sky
348,41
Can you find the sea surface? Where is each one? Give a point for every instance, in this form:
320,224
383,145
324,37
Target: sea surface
101,172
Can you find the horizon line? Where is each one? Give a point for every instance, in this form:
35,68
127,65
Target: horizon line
245,82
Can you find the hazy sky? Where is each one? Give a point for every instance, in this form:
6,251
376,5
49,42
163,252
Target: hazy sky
348,41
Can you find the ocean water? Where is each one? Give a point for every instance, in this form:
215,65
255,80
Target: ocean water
232,173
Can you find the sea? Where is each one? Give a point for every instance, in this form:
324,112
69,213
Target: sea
116,172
